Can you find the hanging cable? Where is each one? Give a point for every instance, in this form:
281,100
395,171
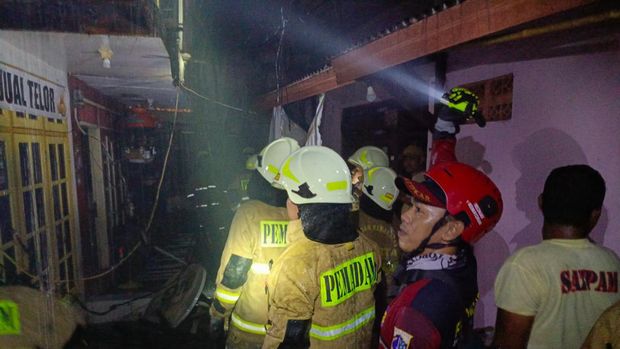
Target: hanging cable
111,307
214,101
163,170
14,262
278,96
106,151
140,243
144,239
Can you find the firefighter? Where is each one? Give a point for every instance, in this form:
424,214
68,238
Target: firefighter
364,159
33,319
452,208
259,233
375,218
238,189
321,288
375,222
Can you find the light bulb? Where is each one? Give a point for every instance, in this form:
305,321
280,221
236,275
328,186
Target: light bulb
106,63
371,96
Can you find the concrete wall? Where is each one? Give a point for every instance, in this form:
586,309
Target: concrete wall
565,111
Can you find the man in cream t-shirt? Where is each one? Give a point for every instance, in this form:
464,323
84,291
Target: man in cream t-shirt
549,295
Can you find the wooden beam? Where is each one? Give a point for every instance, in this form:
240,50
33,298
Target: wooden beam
461,23
468,21
321,82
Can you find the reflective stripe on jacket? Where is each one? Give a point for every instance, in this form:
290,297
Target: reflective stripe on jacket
260,233
331,285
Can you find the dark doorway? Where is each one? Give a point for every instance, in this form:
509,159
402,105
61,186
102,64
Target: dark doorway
386,125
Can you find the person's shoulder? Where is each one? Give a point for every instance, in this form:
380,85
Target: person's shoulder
435,298
527,253
608,251
301,246
609,256
259,209
248,206
364,240
299,256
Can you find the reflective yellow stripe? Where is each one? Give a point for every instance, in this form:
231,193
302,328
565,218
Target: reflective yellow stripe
387,197
371,172
247,326
226,296
272,169
9,321
334,332
340,185
286,171
364,158
261,268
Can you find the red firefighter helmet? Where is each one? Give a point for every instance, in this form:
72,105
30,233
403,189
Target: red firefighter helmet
469,192
466,193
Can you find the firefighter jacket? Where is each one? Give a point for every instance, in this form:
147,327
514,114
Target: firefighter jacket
323,293
382,234
258,235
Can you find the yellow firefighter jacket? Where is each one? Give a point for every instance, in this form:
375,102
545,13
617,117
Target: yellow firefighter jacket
331,285
258,234
382,234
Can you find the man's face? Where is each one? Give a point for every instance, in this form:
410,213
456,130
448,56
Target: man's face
413,160
357,175
417,224
292,210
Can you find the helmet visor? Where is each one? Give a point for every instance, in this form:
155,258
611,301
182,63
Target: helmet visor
427,191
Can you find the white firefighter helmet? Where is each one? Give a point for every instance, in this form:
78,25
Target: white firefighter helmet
379,186
368,157
272,156
316,174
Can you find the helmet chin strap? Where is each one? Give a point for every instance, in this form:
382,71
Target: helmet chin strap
424,243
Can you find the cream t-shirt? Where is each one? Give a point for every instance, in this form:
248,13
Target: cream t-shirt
565,284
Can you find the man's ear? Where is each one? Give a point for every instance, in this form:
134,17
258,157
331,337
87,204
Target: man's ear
452,229
540,201
594,217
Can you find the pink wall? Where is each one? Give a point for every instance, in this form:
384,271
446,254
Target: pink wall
565,110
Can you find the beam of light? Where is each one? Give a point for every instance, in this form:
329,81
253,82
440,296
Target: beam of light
320,40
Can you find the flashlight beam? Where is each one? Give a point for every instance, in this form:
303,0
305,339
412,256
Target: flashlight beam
461,23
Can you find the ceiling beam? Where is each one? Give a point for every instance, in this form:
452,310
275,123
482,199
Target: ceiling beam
467,21
318,83
461,23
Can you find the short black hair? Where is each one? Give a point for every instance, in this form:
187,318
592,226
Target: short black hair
571,194
260,189
327,223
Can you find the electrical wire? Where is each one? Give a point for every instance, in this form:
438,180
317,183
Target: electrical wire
149,222
278,96
106,151
214,101
14,262
144,239
163,170
111,307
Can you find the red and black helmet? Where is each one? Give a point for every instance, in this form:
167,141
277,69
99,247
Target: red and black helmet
466,193
469,196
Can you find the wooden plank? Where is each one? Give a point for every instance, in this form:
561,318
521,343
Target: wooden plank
321,82
468,21
461,23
